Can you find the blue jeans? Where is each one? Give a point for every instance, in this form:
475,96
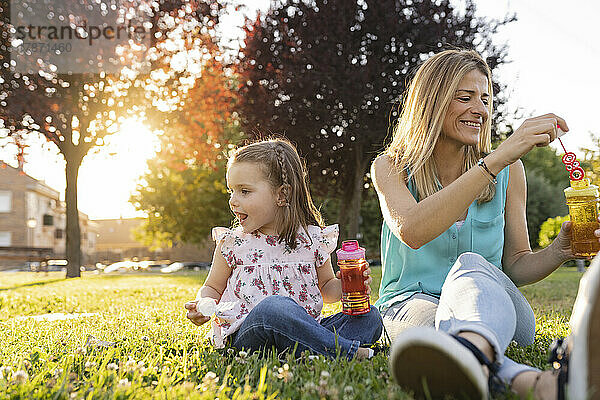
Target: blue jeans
476,297
280,322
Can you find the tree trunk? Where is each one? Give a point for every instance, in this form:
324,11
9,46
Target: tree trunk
356,195
342,218
73,247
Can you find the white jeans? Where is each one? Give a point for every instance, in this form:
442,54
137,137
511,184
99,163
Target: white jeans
476,297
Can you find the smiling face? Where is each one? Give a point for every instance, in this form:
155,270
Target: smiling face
252,198
468,110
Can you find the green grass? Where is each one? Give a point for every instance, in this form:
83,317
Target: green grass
159,354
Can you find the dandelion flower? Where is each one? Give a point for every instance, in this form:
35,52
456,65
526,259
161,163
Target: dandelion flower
130,364
20,376
210,376
112,367
284,373
5,372
81,350
124,383
188,386
89,364
325,375
242,354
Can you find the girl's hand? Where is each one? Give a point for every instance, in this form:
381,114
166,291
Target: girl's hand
538,131
366,272
194,316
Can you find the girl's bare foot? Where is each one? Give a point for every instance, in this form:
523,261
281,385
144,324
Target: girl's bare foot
362,353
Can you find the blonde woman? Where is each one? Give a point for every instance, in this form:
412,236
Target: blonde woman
454,238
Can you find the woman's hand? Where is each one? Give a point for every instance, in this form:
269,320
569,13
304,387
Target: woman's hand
194,316
366,272
562,243
537,131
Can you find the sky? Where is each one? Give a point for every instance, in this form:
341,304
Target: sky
555,59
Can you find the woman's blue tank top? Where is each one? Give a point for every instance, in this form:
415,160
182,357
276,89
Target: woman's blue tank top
406,271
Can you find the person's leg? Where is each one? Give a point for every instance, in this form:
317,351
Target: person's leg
478,297
417,310
582,352
280,322
366,328
478,303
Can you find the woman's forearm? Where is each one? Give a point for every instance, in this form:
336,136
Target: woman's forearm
532,267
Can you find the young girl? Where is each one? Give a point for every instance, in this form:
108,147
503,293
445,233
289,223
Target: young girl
271,274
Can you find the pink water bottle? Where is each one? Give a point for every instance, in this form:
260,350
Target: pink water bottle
352,263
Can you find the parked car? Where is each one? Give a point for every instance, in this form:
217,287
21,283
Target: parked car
178,266
149,265
121,266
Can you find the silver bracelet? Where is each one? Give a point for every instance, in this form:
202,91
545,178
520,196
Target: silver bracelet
485,168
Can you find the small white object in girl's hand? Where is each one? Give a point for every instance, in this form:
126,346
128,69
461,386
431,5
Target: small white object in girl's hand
206,306
559,132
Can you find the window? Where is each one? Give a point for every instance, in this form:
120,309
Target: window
48,220
5,200
5,239
58,233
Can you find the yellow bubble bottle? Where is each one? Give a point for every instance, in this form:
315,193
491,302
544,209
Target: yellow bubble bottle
583,201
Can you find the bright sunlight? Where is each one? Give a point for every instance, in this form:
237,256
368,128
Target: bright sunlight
108,174
108,177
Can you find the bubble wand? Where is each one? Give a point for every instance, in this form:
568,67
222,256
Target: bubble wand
576,173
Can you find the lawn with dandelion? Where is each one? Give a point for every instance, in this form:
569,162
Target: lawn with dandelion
126,337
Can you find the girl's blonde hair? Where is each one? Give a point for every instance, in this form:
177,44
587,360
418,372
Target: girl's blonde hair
423,111
282,166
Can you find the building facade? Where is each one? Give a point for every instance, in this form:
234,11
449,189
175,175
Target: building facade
116,242
33,221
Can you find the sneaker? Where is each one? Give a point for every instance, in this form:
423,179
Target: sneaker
584,358
433,364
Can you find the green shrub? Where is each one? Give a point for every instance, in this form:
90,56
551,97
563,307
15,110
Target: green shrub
550,229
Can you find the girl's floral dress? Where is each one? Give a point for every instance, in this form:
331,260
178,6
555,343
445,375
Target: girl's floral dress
262,266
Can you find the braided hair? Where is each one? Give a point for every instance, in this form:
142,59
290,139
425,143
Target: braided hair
283,168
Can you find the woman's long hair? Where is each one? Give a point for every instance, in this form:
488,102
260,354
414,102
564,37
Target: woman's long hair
282,167
424,108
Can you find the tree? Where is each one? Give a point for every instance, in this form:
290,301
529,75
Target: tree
546,180
591,160
544,200
76,111
184,193
545,161
182,204
326,73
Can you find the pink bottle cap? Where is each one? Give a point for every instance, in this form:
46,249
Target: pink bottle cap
350,251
